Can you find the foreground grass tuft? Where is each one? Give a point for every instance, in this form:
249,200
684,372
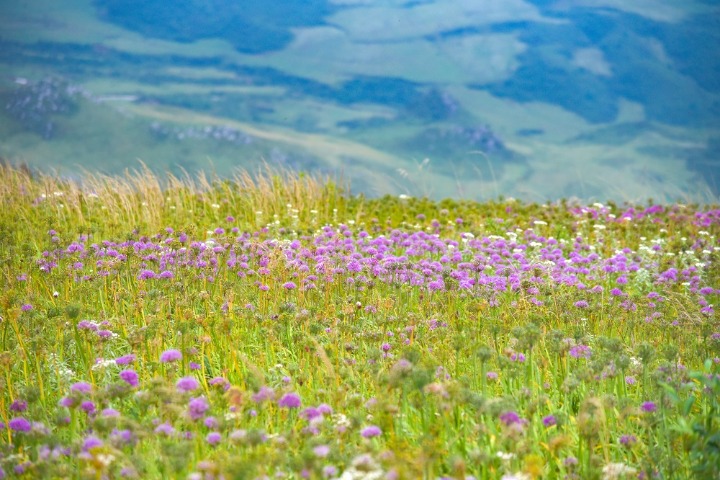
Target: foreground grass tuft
274,326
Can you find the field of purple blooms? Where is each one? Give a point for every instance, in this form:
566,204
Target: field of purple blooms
276,327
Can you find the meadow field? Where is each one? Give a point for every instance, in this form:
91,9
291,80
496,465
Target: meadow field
274,326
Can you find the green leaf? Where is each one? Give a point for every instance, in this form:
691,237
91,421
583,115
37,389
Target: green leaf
687,405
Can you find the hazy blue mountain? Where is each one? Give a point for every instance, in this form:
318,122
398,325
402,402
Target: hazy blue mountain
542,98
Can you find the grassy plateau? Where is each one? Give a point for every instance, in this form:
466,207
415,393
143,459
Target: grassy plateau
274,326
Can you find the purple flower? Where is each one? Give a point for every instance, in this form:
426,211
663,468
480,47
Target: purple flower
582,304
146,274
264,394
88,406
197,407
321,451
210,422
213,438
492,376
104,333
171,355
187,384
371,431
110,412
310,413
385,347
289,400
125,359
122,437
165,429
87,325
549,421
91,442
510,418
220,382
67,402
630,380
628,440
81,387
289,285
130,377
580,351
648,407
26,307
18,406
194,366
19,424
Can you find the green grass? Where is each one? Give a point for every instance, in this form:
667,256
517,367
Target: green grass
520,381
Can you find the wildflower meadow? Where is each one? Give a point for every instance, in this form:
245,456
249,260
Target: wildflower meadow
276,327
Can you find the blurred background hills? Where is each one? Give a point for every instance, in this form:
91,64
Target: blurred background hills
596,99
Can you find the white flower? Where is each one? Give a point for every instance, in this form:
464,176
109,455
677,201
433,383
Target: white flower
105,459
516,476
232,416
613,471
340,420
505,456
362,467
103,364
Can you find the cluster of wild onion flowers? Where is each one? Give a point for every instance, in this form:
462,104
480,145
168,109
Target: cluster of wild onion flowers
522,260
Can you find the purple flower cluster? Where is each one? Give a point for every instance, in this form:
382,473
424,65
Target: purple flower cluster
371,431
510,418
289,400
197,407
187,384
170,356
20,424
648,407
580,351
488,265
130,377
